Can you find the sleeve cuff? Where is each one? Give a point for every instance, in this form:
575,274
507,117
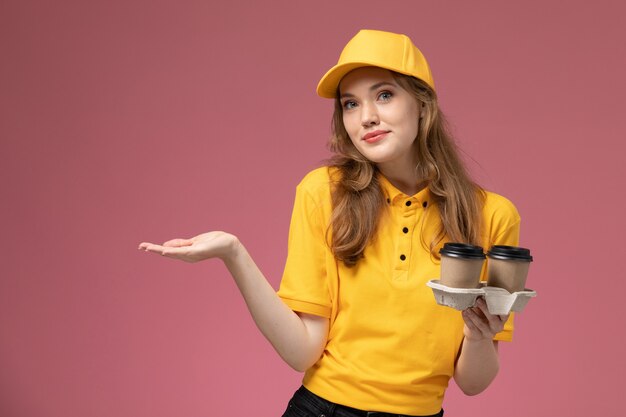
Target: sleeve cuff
504,336
307,307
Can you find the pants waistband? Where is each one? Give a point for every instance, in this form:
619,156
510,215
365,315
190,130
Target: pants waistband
345,411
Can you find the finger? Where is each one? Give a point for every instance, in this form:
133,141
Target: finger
178,242
475,325
479,321
181,253
151,247
495,321
469,322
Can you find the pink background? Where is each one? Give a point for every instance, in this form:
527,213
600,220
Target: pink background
124,121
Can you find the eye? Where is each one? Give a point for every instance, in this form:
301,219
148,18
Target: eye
349,104
385,95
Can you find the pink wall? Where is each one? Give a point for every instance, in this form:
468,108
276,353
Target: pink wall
124,121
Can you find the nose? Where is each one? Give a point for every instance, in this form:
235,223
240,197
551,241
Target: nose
369,115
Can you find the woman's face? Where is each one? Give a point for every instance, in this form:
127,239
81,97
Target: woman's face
380,117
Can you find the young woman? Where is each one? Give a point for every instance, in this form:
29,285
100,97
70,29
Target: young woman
353,311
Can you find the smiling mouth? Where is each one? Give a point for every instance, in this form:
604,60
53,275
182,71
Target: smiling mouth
375,136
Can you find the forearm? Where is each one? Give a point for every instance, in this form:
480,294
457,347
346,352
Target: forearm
299,346
477,365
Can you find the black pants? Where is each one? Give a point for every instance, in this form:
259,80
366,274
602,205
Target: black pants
306,404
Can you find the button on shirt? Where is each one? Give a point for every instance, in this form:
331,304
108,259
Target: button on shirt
390,346
403,218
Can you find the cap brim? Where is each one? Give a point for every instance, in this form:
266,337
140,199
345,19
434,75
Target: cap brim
327,87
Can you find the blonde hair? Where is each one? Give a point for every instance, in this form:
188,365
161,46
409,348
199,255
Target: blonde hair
358,198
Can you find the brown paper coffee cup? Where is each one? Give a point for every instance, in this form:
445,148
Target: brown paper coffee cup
461,265
507,267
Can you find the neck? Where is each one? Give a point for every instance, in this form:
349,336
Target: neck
404,180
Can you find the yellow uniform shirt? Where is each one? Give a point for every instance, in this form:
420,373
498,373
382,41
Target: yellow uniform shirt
390,346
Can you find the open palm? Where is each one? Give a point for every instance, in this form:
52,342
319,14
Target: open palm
204,246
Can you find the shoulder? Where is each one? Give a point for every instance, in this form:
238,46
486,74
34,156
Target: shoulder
499,210
497,204
313,195
501,220
317,182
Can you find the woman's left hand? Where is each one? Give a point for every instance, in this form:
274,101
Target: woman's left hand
480,324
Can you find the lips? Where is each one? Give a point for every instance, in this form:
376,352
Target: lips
375,136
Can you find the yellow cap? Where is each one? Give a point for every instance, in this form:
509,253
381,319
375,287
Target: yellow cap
376,48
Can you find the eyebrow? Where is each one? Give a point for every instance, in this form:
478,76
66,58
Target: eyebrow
372,88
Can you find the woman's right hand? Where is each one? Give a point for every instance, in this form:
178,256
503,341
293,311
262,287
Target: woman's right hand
207,245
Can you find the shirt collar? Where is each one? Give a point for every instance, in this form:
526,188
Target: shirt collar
393,195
